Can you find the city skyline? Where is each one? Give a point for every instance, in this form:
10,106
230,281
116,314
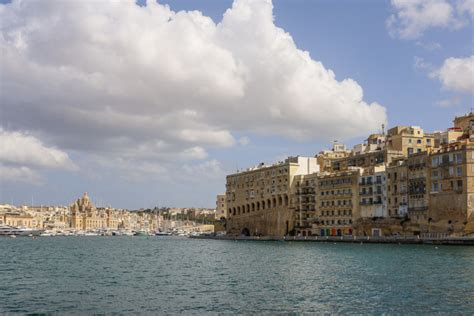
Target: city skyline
137,123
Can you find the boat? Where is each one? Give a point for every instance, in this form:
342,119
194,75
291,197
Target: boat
162,234
6,230
140,233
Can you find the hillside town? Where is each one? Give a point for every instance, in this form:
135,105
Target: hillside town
402,182
82,217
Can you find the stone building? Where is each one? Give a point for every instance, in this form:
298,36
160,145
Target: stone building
221,206
325,158
338,203
305,192
373,193
451,197
258,199
409,140
418,183
397,188
85,216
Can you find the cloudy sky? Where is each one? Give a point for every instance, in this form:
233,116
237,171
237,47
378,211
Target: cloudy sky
147,103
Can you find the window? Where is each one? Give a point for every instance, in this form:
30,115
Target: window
434,161
459,171
451,171
434,187
410,151
418,141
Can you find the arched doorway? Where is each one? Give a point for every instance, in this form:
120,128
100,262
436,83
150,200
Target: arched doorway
245,232
339,232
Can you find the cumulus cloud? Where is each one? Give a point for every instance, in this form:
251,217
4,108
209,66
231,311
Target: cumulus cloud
456,74
143,83
23,155
411,18
23,149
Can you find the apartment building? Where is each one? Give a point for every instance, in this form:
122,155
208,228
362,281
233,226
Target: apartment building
338,203
418,182
305,203
373,193
397,192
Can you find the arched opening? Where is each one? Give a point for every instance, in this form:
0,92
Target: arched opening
339,232
274,202
245,232
258,206
286,200
263,205
350,231
322,232
269,203
280,200
304,233
253,207
238,210
248,208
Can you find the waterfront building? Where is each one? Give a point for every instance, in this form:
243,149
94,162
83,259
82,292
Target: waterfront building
373,193
221,206
451,197
258,198
397,188
417,183
305,194
338,203
85,216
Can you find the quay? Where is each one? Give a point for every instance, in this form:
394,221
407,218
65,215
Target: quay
461,241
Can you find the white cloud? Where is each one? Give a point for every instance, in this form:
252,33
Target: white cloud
456,74
23,149
19,174
139,83
413,17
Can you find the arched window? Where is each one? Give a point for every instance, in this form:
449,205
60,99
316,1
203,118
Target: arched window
258,206
286,200
253,207
280,200
274,202
263,205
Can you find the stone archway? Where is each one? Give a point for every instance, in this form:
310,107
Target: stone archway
245,232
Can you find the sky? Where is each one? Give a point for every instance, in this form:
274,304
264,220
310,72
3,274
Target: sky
145,104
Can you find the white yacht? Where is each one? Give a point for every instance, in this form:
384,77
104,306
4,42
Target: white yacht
6,230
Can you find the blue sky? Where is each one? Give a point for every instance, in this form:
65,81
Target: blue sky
399,71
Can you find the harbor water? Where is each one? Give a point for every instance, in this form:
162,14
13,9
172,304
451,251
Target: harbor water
173,275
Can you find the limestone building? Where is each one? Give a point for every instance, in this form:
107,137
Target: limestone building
397,188
221,206
305,200
373,193
452,189
259,198
338,203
